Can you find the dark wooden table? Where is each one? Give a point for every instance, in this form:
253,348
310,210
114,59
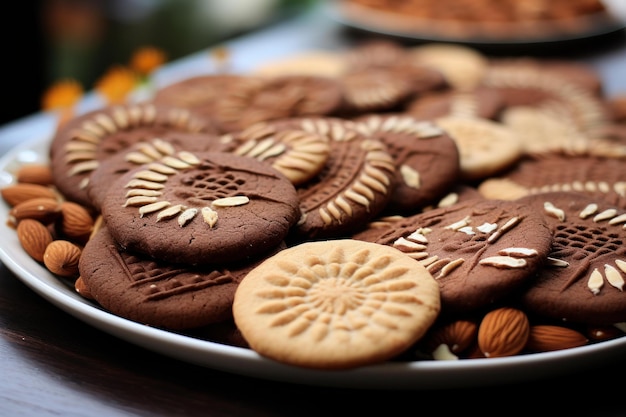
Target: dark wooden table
52,364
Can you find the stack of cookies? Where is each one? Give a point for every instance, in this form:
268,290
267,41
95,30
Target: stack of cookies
380,203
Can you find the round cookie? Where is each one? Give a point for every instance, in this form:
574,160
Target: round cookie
297,154
427,159
480,251
81,144
479,102
335,304
158,293
354,186
143,152
202,208
584,279
599,177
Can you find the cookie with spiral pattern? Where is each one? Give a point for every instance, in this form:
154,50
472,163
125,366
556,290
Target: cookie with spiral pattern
479,251
201,208
583,282
335,304
157,293
82,143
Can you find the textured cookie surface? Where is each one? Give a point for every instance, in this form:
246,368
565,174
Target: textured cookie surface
335,304
201,208
478,250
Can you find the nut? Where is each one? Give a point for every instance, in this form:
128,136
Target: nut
81,287
61,258
76,222
503,332
43,209
545,338
34,237
34,174
457,335
18,193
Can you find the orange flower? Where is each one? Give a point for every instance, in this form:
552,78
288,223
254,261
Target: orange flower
147,59
116,84
62,94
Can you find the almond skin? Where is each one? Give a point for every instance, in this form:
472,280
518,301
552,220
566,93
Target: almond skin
61,258
34,174
458,335
503,332
546,338
43,209
18,193
82,288
34,237
75,222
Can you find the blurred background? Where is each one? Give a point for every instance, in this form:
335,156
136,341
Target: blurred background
49,40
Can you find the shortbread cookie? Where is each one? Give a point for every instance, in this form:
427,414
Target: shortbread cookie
143,152
486,147
335,304
155,292
584,279
201,208
354,186
427,159
315,62
80,145
479,250
599,177
296,153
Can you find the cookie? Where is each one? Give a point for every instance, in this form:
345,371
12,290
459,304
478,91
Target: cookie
143,152
584,279
335,304
201,208
354,186
600,177
297,154
486,147
82,143
479,251
427,159
315,62
157,293
479,102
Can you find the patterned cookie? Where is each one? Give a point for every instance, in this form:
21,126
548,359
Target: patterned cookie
144,152
584,279
260,99
157,293
480,102
599,177
486,147
354,186
479,250
201,208
335,304
427,159
296,153
82,143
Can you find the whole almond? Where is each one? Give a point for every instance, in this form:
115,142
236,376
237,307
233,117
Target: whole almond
457,335
546,338
43,209
606,332
81,287
34,174
61,258
34,237
20,192
503,332
75,222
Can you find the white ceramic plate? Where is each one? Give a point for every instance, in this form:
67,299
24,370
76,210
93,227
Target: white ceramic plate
395,375
371,20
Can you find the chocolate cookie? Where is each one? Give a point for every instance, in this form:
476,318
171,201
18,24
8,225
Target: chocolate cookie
201,208
584,279
427,159
82,143
480,251
480,102
158,293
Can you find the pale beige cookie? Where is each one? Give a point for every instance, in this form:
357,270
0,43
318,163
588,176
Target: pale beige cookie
320,63
463,67
336,304
486,147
